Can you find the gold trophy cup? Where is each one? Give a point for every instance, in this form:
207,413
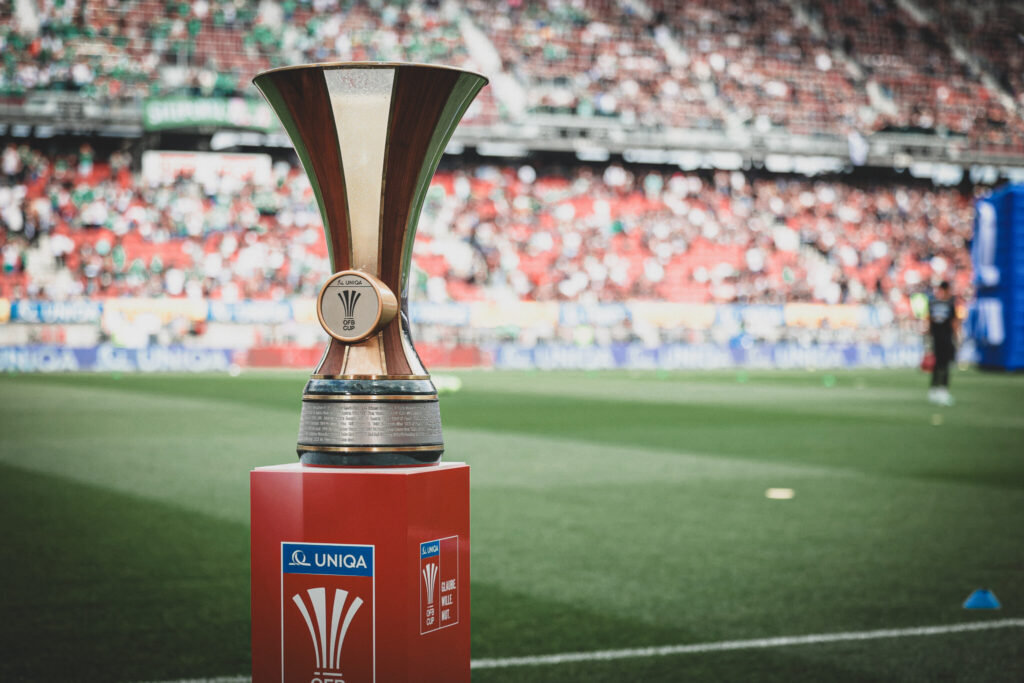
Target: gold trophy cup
369,136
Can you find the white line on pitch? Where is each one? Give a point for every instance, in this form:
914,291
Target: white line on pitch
661,651
696,648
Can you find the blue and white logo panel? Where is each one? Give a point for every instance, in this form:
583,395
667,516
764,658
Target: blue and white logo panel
327,559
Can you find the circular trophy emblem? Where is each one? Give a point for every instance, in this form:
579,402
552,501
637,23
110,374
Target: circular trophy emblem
354,305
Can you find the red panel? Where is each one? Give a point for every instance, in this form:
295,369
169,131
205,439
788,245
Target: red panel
349,545
304,357
283,356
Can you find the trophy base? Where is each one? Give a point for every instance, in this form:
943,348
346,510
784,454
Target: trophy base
370,423
370,459
407,524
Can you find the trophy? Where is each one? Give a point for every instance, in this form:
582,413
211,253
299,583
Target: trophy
369,136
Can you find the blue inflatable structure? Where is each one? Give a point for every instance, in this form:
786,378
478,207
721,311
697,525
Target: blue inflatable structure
996,321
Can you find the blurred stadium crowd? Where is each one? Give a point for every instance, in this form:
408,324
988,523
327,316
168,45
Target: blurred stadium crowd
828,66
76,225
87,222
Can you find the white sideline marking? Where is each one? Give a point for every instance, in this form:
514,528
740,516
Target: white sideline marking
664,650
604,655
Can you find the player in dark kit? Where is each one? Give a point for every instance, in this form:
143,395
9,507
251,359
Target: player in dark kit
942,322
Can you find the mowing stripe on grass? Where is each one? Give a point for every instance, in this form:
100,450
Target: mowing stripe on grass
782,641
697,648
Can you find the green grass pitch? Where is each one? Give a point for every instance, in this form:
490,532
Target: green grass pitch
609,510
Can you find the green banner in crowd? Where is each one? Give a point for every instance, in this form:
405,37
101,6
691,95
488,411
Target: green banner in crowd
162,113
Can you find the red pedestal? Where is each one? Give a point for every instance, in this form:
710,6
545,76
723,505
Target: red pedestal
360,574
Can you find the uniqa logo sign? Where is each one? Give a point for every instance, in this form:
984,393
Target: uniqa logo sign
328,560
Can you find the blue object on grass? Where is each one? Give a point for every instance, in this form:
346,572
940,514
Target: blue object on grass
982,599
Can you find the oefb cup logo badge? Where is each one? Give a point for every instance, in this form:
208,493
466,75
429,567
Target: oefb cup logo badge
327,613
439,582
349,299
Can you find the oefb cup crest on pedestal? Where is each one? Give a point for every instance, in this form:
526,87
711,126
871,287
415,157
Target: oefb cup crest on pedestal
369,136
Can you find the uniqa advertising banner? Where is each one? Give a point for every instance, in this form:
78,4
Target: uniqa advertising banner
707,356
523,314
45,358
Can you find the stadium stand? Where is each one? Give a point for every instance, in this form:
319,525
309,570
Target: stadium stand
806,68
652,173
589,59
926,84
131,50
990,32
766,66
76,225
